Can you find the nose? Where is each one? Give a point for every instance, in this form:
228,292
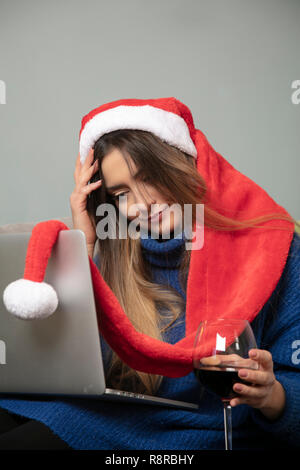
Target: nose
144,204
144,209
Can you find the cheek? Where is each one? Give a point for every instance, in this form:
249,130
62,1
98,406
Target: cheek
172,220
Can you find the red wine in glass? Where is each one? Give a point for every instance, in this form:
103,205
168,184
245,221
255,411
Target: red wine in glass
220,381
221,349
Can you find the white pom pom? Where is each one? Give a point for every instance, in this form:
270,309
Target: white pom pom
28,299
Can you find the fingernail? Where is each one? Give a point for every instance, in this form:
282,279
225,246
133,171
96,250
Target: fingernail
243,373
238,388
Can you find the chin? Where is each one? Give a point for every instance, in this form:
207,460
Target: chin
167,226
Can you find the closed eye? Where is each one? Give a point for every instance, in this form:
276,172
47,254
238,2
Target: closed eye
145,179
117,195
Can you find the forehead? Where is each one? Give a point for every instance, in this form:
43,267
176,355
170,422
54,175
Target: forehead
114,165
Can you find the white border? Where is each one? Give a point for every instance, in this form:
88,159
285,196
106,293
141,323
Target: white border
170,127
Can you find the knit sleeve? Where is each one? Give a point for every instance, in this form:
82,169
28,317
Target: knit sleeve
282,338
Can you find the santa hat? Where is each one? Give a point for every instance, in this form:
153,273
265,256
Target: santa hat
231,276
167,118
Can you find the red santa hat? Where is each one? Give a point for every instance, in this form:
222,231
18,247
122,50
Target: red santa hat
167,118
231,276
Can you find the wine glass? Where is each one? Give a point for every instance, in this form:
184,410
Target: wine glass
221,349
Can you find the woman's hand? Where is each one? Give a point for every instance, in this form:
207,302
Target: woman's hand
265,393
78,198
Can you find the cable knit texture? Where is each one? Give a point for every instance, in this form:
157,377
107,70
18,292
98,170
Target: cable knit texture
97,424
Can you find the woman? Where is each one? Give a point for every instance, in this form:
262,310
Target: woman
140,162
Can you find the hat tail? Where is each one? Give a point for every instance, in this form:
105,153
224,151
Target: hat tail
31,297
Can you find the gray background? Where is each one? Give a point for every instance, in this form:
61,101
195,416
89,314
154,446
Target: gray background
232,62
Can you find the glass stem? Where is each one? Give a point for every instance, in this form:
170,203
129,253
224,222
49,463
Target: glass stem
227,425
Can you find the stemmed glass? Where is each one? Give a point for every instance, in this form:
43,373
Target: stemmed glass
221,349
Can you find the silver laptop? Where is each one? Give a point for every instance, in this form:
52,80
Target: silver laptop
61,354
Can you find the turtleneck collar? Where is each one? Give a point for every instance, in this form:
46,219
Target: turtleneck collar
163,253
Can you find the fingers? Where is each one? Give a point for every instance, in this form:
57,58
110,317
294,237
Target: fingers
89,159
83,174
249,391
257,377
249,395
234,360
261,381
228,360
254,395
77,167
78,199
263,357
81,168
91,187
210,361
246,400
86,175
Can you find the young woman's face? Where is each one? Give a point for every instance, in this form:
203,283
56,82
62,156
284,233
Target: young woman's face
137,190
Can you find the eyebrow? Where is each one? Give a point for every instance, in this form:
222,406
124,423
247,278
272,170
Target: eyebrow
121,185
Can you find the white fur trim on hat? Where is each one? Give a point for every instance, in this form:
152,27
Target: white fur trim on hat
28,299
169,126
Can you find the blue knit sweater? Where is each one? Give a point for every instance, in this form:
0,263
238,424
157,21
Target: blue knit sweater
95,424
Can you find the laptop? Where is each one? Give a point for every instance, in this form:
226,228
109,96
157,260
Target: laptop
61,354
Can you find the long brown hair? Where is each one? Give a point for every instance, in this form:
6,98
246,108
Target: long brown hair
148,305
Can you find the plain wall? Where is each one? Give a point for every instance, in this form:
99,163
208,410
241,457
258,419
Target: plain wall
232,62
